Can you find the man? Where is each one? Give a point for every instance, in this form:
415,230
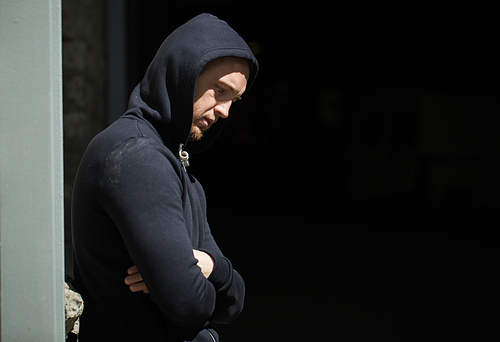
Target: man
134,202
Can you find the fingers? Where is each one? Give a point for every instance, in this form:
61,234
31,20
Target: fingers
136,284
205,262
135,281
132,270
134,278
139,287
197,254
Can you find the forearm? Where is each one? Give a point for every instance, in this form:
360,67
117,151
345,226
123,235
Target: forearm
148,213
230,290
229,304
186,298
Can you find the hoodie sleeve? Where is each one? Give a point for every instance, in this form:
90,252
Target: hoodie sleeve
228,283
141,190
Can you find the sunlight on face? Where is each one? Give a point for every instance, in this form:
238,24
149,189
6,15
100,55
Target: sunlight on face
221,82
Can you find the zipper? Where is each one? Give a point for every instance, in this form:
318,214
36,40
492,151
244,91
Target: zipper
184,156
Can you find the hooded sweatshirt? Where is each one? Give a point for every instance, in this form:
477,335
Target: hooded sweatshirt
134,203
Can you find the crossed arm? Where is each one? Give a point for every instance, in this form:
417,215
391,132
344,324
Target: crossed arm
157,238
136,283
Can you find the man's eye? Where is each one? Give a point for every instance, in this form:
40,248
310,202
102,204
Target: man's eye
219,89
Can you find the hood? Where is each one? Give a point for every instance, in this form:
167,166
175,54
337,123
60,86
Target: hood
165,95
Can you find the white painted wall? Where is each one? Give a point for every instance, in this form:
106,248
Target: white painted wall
31,172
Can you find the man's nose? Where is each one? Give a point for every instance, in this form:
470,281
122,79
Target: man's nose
222,109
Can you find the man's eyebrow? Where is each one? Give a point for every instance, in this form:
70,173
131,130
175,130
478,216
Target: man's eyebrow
231,88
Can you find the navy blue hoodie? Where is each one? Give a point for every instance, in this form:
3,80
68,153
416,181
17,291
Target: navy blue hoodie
135,204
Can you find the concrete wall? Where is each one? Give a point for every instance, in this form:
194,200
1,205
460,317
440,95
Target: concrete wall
31,172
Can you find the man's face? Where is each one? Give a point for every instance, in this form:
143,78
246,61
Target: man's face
222,82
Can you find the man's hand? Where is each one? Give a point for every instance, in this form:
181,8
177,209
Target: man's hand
134,280
205,262
137,284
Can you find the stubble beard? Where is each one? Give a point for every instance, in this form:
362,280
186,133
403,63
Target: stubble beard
195,134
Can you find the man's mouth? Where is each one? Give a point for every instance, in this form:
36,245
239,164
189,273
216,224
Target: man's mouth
208,122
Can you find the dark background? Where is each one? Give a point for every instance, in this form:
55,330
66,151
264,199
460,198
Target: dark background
356,190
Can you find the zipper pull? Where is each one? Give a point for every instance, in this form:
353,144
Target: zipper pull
184,157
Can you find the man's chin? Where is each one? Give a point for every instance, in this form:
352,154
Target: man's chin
195,135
